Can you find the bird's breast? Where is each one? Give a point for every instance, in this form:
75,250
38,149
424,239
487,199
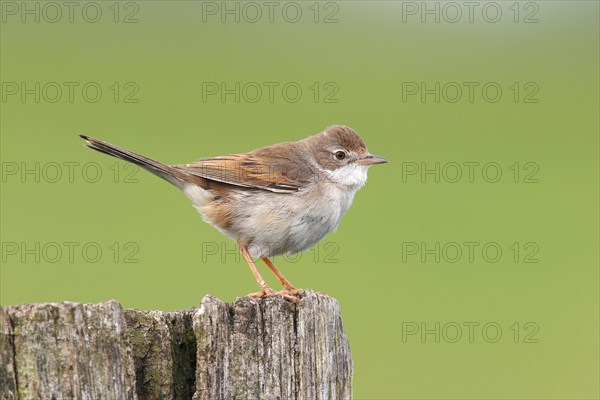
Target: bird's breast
272,224
294,223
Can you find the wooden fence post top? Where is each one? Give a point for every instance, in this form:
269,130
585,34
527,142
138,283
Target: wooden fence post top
265,348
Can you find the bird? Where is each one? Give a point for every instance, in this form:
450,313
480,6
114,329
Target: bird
279,199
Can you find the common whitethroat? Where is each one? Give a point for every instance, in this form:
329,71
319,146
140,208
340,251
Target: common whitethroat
278,199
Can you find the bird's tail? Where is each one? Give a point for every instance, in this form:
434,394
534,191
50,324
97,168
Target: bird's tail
166,172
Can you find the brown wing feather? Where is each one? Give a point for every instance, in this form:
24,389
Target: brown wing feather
249,170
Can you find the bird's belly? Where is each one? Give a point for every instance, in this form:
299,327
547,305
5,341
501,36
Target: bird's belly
271,224
288,232
293,224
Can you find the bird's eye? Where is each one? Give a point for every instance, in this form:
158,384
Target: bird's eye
340,155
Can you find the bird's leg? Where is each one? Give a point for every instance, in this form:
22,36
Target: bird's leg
287,286
265,290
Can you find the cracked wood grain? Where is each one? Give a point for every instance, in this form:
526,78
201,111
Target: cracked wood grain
248,349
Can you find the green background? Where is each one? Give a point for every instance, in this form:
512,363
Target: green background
368,53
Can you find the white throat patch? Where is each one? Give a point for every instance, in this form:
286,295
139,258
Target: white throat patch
354,176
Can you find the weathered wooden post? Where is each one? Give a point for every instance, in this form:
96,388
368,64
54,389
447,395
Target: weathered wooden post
249,349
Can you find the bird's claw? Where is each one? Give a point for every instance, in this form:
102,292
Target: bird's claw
293,291
286,294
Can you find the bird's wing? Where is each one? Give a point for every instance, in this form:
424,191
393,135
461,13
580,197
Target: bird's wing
275,174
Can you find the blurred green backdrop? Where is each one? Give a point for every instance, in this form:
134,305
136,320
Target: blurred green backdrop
527,318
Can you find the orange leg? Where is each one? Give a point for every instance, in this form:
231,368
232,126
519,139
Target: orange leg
286,284
265,290
261,282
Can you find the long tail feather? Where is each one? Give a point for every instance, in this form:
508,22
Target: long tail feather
164,171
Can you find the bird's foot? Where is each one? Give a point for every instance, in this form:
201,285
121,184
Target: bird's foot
292,290
286,294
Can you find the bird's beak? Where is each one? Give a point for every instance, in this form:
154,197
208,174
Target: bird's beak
371,159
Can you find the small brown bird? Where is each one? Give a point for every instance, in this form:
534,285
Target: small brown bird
274,200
